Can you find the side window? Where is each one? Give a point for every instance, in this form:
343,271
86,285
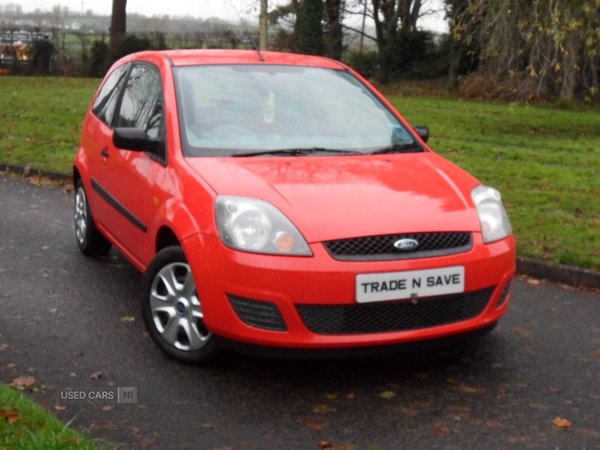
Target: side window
104,106
142,106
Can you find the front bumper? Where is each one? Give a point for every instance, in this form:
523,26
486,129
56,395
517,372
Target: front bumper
290,285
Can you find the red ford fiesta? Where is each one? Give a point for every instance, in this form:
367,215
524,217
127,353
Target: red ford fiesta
278,204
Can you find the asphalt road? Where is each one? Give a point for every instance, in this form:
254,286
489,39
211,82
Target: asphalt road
73,322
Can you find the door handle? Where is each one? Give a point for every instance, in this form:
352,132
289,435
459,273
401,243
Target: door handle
104,153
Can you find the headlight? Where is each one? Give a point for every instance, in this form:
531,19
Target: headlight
256,226
495,224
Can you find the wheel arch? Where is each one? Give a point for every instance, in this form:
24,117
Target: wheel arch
76,175
165,237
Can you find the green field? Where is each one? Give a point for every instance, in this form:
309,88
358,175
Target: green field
544,160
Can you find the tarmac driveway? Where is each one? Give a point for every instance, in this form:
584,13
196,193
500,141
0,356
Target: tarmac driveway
73,323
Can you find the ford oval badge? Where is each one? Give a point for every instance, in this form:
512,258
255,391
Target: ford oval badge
406,244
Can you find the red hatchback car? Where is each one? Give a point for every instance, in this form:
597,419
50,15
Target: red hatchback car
278,204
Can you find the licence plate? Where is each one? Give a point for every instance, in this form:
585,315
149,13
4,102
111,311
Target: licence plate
376,287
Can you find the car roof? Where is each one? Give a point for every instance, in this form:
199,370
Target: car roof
214,56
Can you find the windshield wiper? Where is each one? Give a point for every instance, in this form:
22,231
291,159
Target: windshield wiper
413,147
298,152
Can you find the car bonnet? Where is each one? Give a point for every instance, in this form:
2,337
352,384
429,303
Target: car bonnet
336,197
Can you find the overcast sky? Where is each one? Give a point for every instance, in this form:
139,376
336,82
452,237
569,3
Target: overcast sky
223,9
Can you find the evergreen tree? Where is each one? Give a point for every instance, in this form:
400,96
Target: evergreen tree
308,29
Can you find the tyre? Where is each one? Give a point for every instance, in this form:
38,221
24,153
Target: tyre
90,241
172,310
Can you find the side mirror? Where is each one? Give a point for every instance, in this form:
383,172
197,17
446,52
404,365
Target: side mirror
422,131
135,139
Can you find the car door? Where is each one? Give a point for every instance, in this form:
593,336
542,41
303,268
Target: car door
125,182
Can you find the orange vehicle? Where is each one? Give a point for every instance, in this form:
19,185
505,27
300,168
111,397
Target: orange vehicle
278,204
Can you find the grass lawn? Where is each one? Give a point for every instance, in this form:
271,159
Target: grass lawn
544,160
27,426
40,120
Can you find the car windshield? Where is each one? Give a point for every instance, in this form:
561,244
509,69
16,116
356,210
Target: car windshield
228,110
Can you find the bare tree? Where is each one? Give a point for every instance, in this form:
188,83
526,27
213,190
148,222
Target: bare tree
389,17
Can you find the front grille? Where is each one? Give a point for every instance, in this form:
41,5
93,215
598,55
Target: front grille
381,248
385,317
257,313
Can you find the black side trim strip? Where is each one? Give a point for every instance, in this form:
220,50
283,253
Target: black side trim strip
118,206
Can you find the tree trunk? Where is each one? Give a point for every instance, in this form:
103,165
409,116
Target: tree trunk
118,27
264,25
409,13
567,91
455,56
333,13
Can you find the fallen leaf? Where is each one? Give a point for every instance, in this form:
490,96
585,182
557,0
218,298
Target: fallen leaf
562,423
387,394
533,281
128,319
325,444
107,408
494,424
321,409
471,390
438,431
77,355
207,425
351,395
96,375
60,408
331,396
314,425
73,375
555,390
3,347
11,416
24,382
